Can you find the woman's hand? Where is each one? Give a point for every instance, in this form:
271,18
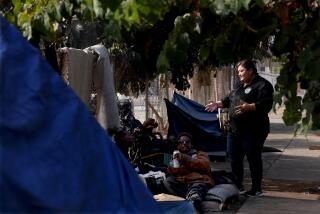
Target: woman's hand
244,107
212,106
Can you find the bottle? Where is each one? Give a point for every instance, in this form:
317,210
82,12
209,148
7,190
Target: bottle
176,163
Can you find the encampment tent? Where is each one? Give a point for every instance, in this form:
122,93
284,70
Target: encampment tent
54,156
185,115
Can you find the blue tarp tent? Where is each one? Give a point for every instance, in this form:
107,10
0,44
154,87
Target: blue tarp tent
54,156
185,115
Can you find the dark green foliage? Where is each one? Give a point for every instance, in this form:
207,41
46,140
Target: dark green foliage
147,38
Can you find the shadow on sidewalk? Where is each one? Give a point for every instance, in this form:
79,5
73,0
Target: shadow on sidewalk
280,128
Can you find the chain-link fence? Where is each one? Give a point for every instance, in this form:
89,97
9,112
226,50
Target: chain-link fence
151,105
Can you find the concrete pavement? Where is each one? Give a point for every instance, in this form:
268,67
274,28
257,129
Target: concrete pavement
291,176
277,205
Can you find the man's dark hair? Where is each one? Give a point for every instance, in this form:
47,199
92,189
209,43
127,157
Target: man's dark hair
184,134
248,64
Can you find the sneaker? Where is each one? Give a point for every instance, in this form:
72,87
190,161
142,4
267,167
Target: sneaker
253,193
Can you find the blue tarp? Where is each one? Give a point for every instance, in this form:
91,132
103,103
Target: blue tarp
54,155
185,115
175,207
197,111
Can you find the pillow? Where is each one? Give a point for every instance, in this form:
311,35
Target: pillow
211,206
217,197
222,192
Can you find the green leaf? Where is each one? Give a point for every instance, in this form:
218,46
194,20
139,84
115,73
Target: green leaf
10,17
291,117
183,41
280,43
223,48
277,97
46,21
111,4
24,22
68,7
130,13
89,7
261,3
112,31
205,3
23,18
17,5
225,7
204,53
304,58
312,68
236,5
58,11
97,8
162,63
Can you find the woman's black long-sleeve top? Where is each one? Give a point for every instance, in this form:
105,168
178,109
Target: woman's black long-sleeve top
260,92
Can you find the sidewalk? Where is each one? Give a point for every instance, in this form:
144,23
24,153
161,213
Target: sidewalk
291,182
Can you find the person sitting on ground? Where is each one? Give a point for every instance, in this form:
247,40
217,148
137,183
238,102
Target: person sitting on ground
145,132
149,140
192,179
124,139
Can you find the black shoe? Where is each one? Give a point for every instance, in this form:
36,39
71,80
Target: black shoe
196,201
253,193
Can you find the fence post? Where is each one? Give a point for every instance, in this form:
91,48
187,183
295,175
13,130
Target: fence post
147,100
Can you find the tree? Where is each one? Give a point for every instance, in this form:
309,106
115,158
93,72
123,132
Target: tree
149,37
297,41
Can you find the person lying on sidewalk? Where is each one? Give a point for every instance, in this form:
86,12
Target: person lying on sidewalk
191,177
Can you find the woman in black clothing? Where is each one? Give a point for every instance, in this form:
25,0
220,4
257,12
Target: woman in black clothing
249,104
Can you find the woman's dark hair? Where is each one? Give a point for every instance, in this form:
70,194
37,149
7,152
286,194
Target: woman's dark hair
248,64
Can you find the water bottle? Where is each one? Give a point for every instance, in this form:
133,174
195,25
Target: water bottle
176,163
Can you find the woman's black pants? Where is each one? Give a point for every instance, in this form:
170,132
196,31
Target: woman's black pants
251,146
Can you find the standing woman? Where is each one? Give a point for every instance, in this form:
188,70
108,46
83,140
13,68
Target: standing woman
249,104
